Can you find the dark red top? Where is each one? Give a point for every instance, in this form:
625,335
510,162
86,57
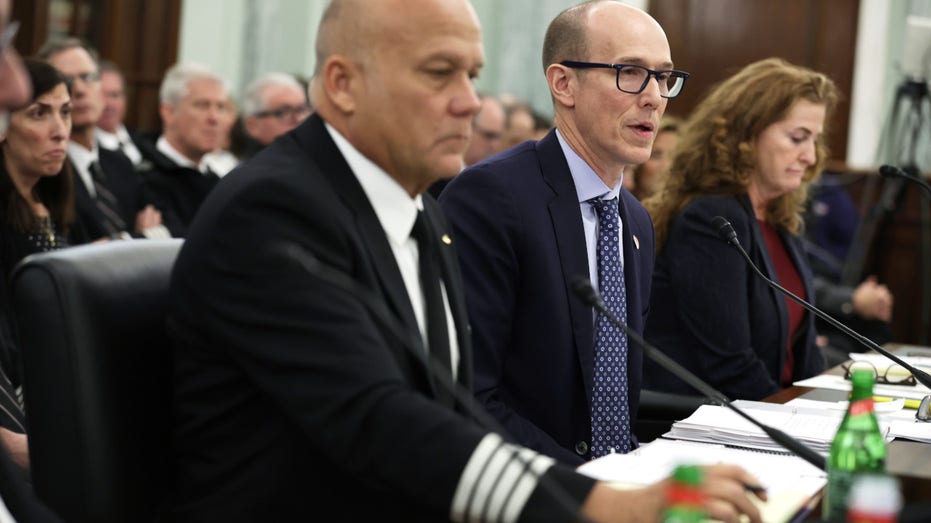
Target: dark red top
787,276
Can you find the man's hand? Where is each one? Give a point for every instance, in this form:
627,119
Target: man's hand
17,445
724,485
873,301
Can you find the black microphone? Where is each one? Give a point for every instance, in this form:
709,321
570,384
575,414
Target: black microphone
726,232
382,315
584,290
891,171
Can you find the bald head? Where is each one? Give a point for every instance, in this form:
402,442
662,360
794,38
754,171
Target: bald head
568,35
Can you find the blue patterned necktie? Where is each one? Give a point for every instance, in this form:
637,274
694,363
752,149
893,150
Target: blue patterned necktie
610,412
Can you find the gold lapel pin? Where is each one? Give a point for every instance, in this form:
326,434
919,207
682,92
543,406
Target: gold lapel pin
636,242
447,240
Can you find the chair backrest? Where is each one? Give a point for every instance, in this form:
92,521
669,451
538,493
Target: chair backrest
97,375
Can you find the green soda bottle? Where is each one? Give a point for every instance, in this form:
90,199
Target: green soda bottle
685,501
858,446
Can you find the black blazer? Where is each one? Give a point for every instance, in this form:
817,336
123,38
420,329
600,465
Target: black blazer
291,402
126,185
714,315
178,191
518,229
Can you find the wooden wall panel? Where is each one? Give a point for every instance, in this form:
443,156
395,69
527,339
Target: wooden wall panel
140,36
712,39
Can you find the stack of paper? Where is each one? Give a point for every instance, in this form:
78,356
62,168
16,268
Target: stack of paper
715,424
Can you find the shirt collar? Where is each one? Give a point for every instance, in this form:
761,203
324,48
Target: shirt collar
80,156
174,155
113,140
394,207
588,184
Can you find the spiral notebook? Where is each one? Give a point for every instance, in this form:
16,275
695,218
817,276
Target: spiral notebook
793,485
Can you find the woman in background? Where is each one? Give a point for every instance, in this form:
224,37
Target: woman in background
36,210
748,153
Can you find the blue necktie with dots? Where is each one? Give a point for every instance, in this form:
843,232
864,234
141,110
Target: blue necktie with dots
610,412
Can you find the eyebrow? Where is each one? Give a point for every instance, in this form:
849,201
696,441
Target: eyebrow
639,61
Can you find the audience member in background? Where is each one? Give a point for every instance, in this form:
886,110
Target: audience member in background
111,201
748,153
485,140
530,219
272,105
542,125
299,316
36,209
193,106
520,125
830,227
222,160
18,500
111,133
649,176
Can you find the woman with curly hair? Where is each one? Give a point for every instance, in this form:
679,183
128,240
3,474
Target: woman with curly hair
748,153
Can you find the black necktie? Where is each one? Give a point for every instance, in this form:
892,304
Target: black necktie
106,201
437,331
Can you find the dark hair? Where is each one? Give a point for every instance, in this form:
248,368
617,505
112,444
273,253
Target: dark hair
55,192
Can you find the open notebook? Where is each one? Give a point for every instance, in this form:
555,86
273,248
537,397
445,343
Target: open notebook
792,484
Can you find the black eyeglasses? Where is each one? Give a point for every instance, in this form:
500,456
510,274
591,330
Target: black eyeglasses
633,79
7,35
87,78
285,112
924,409
894,374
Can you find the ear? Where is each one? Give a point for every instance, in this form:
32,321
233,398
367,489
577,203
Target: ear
562,83
167,112
339,81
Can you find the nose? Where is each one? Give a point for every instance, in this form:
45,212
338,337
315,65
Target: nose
61,128
15,88
650,96
466,102
810,153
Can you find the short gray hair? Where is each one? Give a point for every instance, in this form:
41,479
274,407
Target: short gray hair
175,83
253,100
58,45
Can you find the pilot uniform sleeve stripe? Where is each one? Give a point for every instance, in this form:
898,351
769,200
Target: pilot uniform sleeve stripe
497,481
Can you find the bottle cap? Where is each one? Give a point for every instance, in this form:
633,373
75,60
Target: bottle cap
875,495
689,474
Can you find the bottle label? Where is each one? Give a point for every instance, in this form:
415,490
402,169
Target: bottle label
860,407
854,516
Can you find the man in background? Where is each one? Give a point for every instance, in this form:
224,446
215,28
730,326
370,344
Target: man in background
193,106
111,133
272,105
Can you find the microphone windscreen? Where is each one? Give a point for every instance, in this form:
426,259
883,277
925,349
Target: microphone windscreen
725,229
584,290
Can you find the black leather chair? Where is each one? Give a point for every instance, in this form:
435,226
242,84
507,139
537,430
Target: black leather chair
659,410
97,373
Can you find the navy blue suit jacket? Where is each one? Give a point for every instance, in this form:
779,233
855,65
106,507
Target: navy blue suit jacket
714,315
518,230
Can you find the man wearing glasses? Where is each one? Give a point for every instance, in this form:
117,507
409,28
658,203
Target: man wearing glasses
562,380
271,106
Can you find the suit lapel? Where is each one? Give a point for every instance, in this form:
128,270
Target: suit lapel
570,243
313,138
764,261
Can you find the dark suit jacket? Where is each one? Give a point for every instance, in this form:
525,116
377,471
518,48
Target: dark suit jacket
128,188
715,316
179,191
518,229
293,402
